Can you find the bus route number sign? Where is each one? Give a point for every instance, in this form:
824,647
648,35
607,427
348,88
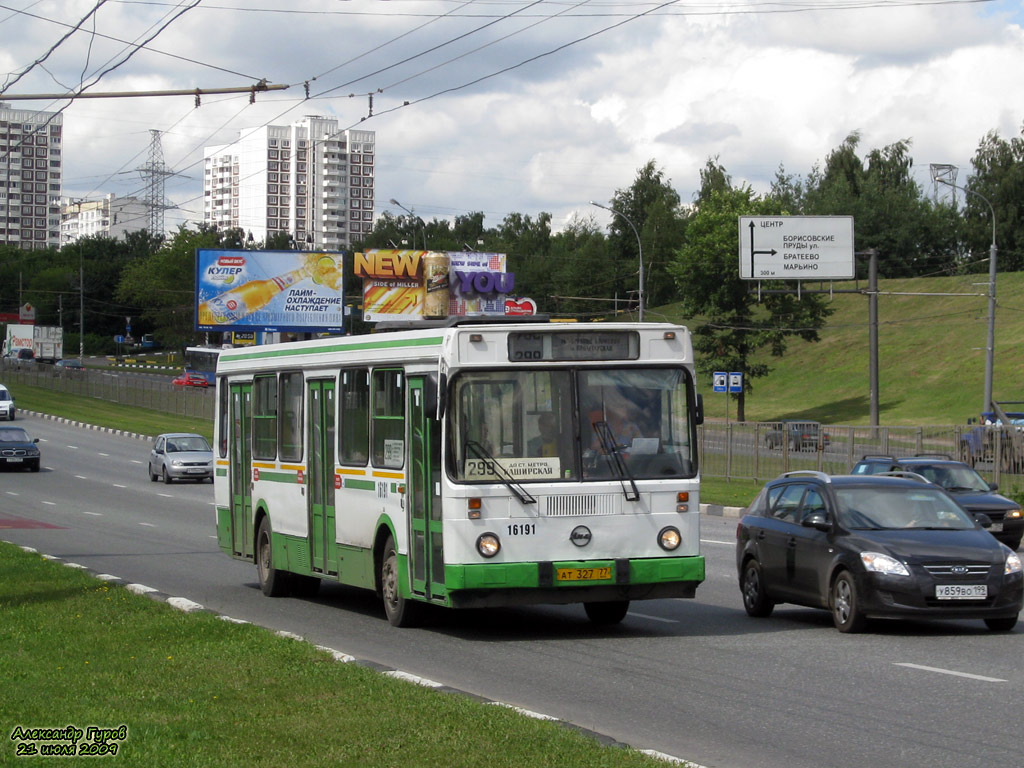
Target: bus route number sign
573,345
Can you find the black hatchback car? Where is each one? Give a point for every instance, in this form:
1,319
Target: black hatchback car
963,484
865,546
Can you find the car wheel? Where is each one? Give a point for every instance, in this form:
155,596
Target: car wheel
400,611
10,416
1001,624
606,614
755,600
34,467
152,475
273,582
846,612
166,477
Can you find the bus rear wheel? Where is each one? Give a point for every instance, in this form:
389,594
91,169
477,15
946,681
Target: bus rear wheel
605,614
273,582
401,612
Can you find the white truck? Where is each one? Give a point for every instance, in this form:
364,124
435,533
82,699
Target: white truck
45,341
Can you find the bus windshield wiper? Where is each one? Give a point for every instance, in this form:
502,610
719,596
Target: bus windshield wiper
611,447
510,482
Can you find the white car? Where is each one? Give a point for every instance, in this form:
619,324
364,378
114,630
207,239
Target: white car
6,404
181,456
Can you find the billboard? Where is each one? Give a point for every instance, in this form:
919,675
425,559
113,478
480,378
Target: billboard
269,291
412,285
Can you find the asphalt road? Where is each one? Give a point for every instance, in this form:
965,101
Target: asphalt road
697,679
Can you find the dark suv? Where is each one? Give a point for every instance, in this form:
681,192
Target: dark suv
963,484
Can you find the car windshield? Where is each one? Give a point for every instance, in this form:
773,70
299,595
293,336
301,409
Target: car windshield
4,395
14,436
187,443
873,508
952,477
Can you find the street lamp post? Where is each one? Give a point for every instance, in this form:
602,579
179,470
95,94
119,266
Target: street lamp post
415,218
990,348
640,249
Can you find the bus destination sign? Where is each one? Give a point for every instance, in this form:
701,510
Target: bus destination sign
573,345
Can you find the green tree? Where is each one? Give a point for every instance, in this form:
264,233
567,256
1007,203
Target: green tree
706,272
999,178
652,206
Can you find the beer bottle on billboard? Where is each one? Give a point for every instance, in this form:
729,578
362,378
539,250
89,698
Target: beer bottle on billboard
435,284
243,300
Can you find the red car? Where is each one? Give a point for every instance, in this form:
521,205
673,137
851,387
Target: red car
191,380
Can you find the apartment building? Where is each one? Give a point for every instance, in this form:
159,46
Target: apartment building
111,216
30,177
309,180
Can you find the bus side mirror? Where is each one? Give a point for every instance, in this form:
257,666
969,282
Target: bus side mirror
698,413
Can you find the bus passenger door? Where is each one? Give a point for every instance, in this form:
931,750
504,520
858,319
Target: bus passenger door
240,471
426,547
320,491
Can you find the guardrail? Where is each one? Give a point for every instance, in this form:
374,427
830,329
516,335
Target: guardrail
116,386
739,450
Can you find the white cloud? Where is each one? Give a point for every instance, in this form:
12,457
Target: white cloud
755,90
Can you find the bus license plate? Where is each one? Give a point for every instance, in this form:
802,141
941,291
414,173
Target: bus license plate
584,574
961,591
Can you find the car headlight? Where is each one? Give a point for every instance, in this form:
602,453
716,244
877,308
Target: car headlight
177,463
1012,564
488,544
878,563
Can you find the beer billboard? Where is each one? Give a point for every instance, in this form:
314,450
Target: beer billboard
415,285
269,291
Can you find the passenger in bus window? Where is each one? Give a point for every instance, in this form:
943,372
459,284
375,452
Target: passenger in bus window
545,444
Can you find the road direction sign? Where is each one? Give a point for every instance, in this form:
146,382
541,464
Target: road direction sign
796,247
718,381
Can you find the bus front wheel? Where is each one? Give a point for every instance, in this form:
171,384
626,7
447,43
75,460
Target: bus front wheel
273,582
608,613
401,612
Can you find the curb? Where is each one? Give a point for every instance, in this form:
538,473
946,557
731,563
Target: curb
188,606
83,425
718,510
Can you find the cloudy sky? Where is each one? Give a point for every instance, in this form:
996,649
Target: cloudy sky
521,105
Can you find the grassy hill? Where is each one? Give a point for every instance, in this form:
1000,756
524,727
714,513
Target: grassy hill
931,351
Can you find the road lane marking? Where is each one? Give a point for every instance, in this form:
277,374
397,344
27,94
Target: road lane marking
166,495
652,618
953,672
12,493
81,477
715,541
148,525
73,447
105,454
136,461
119,486
50,503
94,514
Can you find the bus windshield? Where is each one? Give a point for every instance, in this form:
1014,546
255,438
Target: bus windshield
571,424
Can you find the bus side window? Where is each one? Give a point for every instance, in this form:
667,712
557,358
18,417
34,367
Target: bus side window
389,418
264,416
291,416
354,435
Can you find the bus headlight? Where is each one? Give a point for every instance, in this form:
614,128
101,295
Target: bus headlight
488,544
669,538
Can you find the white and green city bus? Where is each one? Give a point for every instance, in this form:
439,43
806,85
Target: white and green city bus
466,464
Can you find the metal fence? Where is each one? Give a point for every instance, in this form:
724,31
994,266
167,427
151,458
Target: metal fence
736,450
739,450
126,387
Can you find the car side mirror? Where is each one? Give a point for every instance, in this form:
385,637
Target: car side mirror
983,520
36,440
817,520
993,486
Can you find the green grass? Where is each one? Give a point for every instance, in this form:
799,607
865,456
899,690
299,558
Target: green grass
194,690
930,350
102,413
